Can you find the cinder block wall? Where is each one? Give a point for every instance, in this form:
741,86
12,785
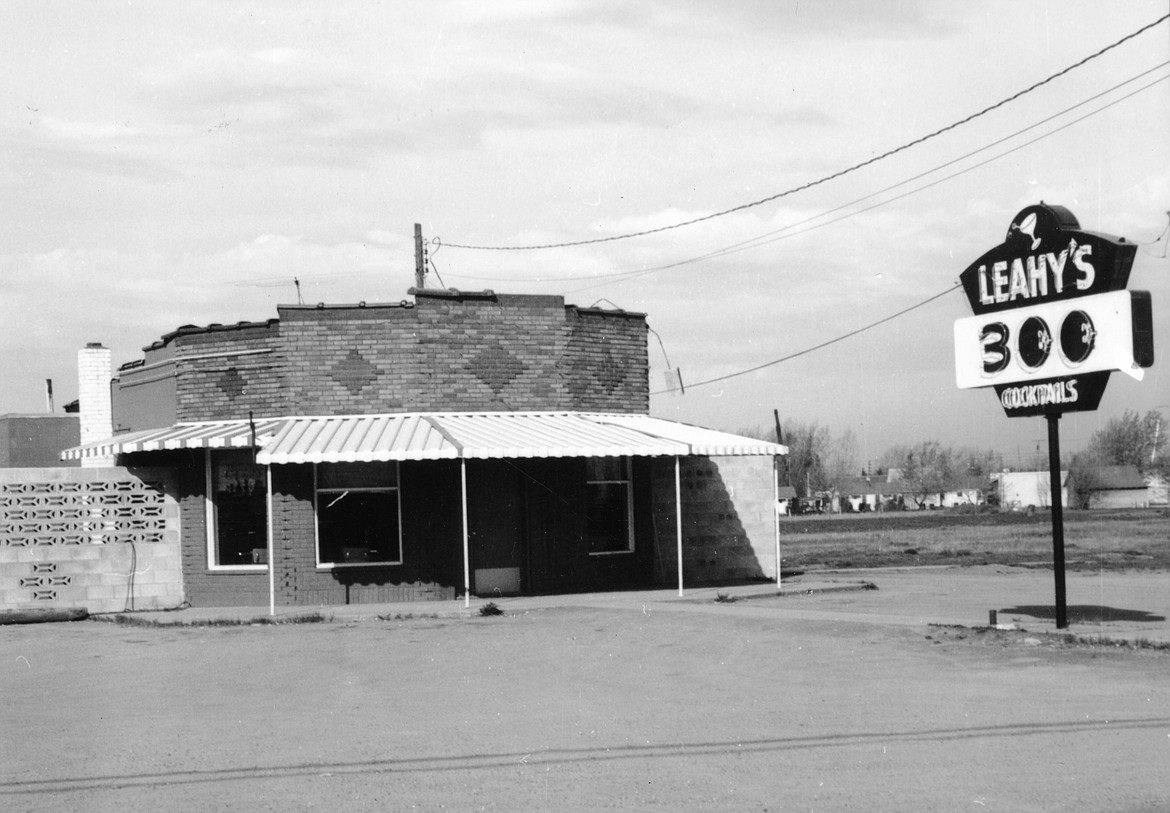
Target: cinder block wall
106,539
728,520
447,351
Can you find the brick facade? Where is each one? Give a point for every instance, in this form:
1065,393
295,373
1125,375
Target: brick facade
447,351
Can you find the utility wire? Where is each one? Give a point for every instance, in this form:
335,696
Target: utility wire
832,176
779,234
822,345
904,311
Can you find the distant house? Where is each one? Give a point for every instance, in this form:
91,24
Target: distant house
1118,487
891,490
965,490
867,493
1019,490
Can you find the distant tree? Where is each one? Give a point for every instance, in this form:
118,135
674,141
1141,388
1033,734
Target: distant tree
1130,440
926,468
809,446
978,462
840,460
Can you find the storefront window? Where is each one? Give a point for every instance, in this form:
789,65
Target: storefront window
358,517
238,511
609,505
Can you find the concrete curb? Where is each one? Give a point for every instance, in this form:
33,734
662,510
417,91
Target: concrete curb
43,615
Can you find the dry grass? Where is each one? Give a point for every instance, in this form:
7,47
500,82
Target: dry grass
1111,540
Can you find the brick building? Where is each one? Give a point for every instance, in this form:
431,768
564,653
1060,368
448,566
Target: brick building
459,443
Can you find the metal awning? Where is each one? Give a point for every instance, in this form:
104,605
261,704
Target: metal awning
201,435
438,436
357,439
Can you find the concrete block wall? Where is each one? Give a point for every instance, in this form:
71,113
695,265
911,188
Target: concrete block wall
51,569
728,520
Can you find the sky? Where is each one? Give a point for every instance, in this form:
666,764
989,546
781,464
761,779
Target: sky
166,164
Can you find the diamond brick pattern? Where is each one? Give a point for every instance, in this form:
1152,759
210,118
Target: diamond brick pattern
496,366
354,372
232,383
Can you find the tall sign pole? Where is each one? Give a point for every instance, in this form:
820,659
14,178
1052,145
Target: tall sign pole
1057,518
1052,321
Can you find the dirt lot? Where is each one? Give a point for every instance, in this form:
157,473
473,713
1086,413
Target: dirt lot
699,706
1129,539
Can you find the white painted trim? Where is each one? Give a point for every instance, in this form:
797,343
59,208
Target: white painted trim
466,536
271,547
678,518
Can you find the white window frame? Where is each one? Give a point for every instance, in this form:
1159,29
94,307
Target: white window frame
211,522
627,468
317,492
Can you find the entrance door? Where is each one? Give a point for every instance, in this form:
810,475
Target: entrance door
496,528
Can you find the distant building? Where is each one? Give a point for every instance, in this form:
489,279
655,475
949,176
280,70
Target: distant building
1019,490
33,441
892,491
1118,487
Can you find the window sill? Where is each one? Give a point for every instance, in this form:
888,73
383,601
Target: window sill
610,552
237,568
347,565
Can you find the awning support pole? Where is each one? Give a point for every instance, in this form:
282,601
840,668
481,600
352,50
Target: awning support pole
776,512
466,538
271,548
678,518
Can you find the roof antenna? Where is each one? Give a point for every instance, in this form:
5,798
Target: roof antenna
297,283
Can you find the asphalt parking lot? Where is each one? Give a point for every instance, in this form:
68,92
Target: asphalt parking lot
828,696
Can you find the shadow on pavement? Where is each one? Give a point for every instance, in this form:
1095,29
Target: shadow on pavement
1084,612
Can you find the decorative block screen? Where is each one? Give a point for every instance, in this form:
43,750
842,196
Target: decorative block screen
84,512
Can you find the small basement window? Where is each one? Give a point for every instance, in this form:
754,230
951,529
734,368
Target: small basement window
359,517
609,505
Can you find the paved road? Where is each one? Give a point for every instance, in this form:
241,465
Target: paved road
826,700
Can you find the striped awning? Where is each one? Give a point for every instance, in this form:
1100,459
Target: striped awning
441,435
203,435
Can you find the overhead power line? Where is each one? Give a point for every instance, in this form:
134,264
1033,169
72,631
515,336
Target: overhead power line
826,178
822,345
845,211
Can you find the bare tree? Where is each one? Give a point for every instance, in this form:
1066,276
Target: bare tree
1130,440
928,468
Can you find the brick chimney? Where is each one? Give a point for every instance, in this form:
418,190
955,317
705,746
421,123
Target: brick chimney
94,372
